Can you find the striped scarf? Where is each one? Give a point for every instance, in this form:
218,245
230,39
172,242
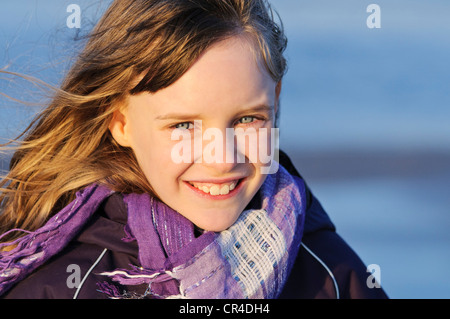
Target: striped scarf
251,259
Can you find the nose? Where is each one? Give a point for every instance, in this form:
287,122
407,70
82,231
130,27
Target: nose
218,150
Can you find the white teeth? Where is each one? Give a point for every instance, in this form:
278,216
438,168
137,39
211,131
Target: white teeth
214,190
222,189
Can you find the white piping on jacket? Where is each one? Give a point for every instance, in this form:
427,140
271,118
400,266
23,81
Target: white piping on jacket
336,287
88,272
326,268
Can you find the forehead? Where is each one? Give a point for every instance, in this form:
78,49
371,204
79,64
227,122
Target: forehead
227,75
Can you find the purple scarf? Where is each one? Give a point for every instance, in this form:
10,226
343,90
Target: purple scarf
251,259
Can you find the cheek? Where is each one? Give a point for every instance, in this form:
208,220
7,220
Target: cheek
258,144
154,157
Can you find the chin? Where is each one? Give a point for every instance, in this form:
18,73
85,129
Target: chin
217,224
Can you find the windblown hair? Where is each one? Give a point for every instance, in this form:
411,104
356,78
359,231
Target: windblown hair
137,46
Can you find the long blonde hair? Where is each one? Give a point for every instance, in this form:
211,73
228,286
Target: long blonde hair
68,145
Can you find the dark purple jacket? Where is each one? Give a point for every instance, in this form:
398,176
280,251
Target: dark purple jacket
326,267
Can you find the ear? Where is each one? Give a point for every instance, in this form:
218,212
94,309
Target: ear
118,128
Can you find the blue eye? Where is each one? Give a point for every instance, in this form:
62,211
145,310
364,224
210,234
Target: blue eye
184,126
246,120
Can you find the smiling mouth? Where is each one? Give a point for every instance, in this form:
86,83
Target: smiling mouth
216,189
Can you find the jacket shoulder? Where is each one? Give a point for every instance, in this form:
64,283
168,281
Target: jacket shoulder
327,267
75,271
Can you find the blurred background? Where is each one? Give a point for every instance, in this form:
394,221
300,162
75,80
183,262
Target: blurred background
365,117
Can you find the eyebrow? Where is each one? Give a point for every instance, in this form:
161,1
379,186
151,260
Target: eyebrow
177,116
184,116
259,108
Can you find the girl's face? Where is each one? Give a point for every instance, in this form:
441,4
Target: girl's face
225,88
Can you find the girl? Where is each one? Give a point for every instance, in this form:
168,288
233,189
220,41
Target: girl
95,204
